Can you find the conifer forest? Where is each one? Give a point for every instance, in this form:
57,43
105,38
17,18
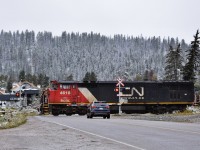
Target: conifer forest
75,54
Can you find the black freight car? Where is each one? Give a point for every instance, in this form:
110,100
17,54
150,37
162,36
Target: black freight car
143,96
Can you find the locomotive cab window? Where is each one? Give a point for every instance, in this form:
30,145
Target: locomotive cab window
54,86
64,86
67,86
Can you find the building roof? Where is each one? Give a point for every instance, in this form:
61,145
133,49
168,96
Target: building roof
23,85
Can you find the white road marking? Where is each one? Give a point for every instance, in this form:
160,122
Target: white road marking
139,148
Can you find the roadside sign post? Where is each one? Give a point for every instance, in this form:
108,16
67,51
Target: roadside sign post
119,84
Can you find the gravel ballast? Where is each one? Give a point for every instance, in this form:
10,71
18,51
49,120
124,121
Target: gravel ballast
194,118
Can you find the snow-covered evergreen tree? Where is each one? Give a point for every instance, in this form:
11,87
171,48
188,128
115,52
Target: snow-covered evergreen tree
174,61
193,57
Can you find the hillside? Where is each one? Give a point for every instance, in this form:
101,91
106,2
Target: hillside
78,53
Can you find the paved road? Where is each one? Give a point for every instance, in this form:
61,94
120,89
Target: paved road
135,134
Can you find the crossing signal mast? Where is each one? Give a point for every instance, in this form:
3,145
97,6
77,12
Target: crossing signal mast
119,84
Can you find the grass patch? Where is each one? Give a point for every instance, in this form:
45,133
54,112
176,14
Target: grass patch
189,111
18,120
116,114
13,119
184,113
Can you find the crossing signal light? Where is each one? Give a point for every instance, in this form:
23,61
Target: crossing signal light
17,94
116,89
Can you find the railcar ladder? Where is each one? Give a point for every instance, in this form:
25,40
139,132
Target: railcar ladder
46,109
45,105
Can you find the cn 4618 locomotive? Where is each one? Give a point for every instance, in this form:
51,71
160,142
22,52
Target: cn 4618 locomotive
70,97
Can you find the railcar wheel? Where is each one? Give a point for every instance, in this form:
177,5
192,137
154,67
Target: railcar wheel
82,112
169,110
55,113
68,114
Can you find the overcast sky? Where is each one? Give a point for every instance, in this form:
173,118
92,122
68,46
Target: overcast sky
174,18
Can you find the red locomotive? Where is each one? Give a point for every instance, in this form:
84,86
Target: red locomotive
65,98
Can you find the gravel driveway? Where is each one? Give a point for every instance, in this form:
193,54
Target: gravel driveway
39,135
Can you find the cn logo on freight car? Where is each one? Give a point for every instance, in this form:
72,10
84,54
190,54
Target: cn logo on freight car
139,93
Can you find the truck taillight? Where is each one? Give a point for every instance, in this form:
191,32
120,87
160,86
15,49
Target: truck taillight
93,106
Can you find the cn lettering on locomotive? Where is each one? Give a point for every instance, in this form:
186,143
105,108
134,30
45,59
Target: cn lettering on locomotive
134,91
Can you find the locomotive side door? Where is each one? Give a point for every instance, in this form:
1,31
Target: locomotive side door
74,93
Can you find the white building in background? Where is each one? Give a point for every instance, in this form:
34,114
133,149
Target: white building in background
17,86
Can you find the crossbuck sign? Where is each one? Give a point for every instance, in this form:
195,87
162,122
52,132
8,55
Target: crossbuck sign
119,82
